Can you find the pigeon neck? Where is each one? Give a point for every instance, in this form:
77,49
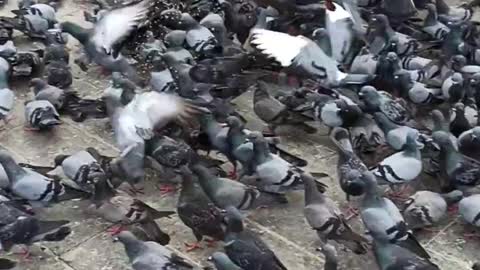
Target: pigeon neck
432,17
381,252
452,157
206,180
261,151
312,195
384,123
12,169
3,80
331,264
133,247
442,7
78,32
103,191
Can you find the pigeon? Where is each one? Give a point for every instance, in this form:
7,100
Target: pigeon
41,115
27,230
366,134
469,143
245,248
222,262
225,192
274,113
44,11
441,124
161,79
426,208
349,166
396,135
460,123
338,112
174,42
417,92
380,101
7,98
460,170
303,53
150,255
324,216
469,209
50,93
339,23
432,25
240,17
391,256
198,212
399,11
121,209
169,152
104,42
452,88
401,167
274,174
33,186
448,14
384,221
331,257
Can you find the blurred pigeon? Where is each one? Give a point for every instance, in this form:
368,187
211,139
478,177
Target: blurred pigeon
33,186
274,113
161,78
416,92
198,212
380,101
339,22
222,262
396,135
426,208
460,123
384,221
449,14
399,11
432,25
303,53
174,41
50,93
225,192
7,98
452,88
469,143
325,218
391,256
469,209
27,230
150,255
41,114
245,248
349,166
44,11
340,112
331,256
460,170
122,209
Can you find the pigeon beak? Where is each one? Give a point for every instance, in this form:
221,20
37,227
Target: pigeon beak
475,138
420,145
115,239
223,124
210,258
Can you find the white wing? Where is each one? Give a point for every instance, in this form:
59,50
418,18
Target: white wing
118,23
283,47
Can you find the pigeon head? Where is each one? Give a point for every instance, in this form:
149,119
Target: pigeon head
102,190
368,93
379,22
458,62
431,8
215,24
370,181
175,38
234,122
186,21
457,77
319,34
459,108
392,57
412,140
475,79
353,186
37,84
476,134
133,246
402,79
441,138
255,137
234,219
158,64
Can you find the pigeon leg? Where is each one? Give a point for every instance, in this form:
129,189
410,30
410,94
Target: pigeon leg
452,209
115,230
471,236
351,213
211,242
194,246
269,131
167,188
25,253
400,194
233,174
31,129
136,190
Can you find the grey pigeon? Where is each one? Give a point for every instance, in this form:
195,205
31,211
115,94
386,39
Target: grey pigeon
41,114
331,257
324,216
122,209
27,230
340,112
222,262
349,166
460,123
426,208
366,135
225,192
174,41
399,11
380,101
33,186
453,88
417,92
396,135
302,52
274,113
432,25
198,37
401,167
247,249
197,211
150,255
43,91
7,98
339,24
383,219
44,11
391,256
469,209
449,14
469,143
161,79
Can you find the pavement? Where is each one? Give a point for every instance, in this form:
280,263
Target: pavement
89,247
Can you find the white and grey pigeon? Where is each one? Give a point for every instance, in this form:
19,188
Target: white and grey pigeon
150,255
469,209
7,98
338,23
469,143
40,115
426,208
432,25
301,52
401,167
396,135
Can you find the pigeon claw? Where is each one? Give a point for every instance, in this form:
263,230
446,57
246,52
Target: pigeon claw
167,189
233,174
115,230
192,247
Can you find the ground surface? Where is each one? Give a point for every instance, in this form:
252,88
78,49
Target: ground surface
89,247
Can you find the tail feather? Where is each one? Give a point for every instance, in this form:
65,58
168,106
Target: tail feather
341,138
49,226
412,244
